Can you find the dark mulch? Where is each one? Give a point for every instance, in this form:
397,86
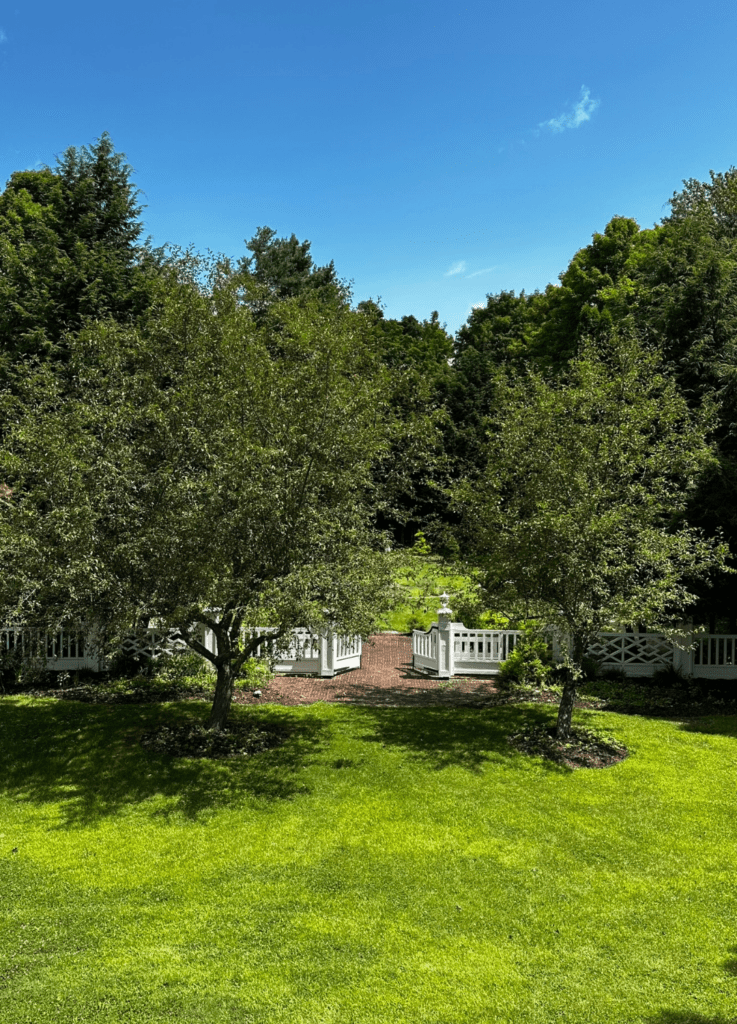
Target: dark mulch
584,749
91,693
194,740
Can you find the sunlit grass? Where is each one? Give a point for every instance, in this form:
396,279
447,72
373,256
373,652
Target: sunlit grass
419,581
384,865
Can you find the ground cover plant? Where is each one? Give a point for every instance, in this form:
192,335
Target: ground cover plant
378,865
420,577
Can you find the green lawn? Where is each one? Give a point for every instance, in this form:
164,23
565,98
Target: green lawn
384,865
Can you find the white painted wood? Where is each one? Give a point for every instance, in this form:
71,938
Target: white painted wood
67,650
470,651
306,652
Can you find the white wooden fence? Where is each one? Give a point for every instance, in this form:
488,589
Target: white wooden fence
63,651
310,653
449,649
638,654
461,651
304,653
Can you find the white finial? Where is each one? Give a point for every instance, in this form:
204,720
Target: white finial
444,609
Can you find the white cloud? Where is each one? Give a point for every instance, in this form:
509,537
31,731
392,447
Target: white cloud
486,270
3,37
576,117
457,268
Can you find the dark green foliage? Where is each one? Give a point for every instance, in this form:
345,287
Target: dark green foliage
70,251
529,663
670,678
242,739
591,297
413,473
283,268
494,336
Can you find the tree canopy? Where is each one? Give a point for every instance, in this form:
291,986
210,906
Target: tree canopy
70,251
207,470
578,517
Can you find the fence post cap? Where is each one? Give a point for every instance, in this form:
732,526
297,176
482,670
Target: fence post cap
444,613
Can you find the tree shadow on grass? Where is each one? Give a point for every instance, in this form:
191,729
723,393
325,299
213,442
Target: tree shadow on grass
88,759
460,736
687,1017
730,964
716,725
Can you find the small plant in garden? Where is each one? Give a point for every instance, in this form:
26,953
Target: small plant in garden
583,748
186,669
194,740
528,665
255,674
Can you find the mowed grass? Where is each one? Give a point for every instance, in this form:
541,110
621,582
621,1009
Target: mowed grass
383,865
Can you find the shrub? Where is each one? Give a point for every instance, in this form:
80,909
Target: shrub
591,669
528,664
669,678
255,674
126,666
10,668
180,668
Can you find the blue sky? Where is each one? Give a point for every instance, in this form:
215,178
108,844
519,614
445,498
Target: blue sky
436,152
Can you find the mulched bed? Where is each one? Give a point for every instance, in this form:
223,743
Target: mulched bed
239,740
584,749
90,693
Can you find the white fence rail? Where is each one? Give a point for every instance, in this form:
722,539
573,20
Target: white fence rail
638,654
460,651
66,650
312,653
449,649
306,652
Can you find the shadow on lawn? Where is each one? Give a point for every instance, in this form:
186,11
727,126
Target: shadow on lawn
687,1017
89,759
717,725
466,737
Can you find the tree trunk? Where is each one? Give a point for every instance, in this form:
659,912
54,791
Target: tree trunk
565,710
223,696
573,673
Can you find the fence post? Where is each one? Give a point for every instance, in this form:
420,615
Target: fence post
327,654
445,640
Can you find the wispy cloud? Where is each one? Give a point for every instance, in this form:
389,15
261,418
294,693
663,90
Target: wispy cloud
3,37
457,268
486,270
574,118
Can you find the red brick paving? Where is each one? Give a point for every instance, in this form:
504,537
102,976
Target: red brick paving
385,677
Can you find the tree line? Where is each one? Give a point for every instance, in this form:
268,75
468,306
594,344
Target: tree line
231,443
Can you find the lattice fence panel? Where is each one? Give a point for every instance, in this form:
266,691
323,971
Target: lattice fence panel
154,643
632,649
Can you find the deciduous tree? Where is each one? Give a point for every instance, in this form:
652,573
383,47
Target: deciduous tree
207,471
578,517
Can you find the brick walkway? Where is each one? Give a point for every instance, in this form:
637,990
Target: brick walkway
385,677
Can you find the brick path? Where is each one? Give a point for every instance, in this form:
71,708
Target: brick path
385,677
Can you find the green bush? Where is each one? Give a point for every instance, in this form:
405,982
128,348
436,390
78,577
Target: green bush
528,664
179,668
10,668
255,674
